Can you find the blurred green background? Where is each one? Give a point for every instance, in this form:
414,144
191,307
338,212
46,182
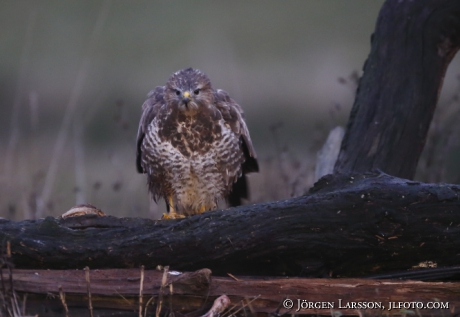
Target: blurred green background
74,75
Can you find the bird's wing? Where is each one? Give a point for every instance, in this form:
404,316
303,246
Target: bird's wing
233,115
150,109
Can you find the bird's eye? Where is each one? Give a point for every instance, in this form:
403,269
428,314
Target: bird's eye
177,92
196,91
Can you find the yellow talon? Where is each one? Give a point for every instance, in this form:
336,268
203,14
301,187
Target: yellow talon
165,217
172,214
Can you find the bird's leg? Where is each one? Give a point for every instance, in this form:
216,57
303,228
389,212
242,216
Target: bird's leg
171,204
202,209
172,214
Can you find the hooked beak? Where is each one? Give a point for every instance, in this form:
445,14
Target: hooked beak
188,103
186,97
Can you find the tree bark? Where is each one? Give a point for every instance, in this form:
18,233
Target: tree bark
413,43
347,226
194,292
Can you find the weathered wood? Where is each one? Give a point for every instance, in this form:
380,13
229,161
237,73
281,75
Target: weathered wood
109,282
413,43
347,226
195,292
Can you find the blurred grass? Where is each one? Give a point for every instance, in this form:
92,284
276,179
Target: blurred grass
287,63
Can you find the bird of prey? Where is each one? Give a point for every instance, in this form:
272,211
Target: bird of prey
194,145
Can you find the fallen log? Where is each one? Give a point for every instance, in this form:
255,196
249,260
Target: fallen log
347,226
193,293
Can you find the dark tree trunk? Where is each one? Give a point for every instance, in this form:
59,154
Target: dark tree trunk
348,226
413,43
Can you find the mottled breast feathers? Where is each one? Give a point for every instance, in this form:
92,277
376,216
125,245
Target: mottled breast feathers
194,145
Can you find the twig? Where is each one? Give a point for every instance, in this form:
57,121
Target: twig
141,288
160,295
233,277
88,289
220,304
62,297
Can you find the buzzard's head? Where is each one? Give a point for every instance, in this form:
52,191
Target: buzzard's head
189,89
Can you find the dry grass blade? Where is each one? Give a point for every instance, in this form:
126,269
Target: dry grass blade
243,305
24,300
13,309
171,314
141,288
14,306
229,311
88,289
62,297
160,295
249,304
147,305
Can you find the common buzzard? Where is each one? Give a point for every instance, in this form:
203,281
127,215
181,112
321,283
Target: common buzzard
194,145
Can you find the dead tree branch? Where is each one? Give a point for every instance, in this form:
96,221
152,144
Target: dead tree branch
347,226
